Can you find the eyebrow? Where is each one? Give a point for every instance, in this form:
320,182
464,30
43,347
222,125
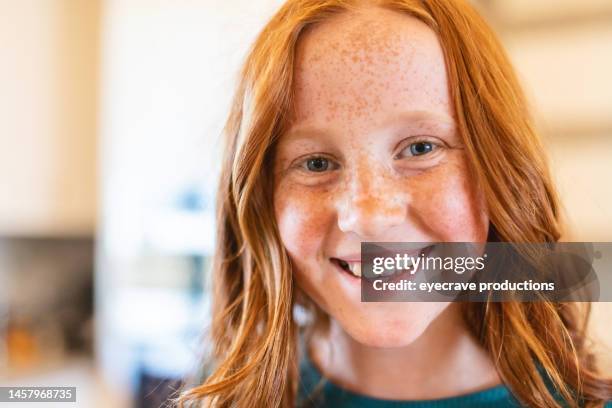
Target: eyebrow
418,115
312,129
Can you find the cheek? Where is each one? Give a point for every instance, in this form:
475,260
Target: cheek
450,205
303,219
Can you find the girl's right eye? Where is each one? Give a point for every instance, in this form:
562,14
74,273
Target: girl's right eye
317,164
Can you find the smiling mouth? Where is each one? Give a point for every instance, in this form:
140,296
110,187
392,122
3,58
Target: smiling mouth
354,268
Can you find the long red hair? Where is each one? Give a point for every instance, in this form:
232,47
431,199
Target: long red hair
253,333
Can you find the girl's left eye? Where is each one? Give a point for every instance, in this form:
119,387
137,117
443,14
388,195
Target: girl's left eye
419,148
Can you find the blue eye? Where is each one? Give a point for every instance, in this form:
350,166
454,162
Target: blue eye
317,164
421,148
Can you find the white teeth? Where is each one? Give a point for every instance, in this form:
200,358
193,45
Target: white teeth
352,267
355,268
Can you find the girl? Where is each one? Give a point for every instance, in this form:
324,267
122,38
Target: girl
390,121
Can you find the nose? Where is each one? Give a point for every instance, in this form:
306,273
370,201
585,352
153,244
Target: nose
371,207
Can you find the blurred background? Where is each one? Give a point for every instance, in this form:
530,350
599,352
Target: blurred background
110,116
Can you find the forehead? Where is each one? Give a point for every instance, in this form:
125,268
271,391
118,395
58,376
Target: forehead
362,64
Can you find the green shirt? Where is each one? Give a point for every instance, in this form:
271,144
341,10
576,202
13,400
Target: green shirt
317,392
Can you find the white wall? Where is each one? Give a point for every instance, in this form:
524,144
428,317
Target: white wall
168,73
49,54
562,50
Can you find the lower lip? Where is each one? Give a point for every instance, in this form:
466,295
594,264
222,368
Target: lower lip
347,280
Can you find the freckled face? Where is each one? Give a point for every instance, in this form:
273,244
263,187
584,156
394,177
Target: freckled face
371,154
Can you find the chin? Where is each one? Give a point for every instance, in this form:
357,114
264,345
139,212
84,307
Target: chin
398,326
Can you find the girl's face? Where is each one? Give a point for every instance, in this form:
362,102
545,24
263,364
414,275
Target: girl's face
371,154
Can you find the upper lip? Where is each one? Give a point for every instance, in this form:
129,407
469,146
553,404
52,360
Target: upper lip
381,251
355,257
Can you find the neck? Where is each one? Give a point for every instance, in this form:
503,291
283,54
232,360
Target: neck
444,361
